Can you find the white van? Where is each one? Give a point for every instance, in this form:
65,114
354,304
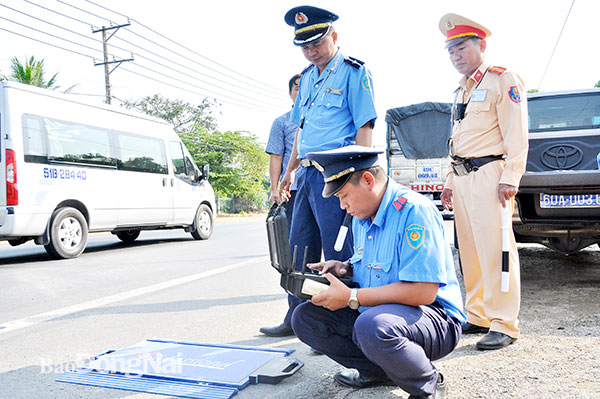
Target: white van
72,167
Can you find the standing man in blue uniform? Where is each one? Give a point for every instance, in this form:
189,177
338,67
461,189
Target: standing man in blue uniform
407,309
279,148
334,109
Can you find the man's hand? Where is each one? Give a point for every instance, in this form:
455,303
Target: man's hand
446,198
274,197
506,192
286,183
335,267
335,297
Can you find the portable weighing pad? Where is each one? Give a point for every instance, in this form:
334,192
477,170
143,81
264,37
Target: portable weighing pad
185,369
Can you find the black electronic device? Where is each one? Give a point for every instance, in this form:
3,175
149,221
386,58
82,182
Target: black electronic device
302,284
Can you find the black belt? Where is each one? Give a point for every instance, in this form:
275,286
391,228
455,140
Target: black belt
464,166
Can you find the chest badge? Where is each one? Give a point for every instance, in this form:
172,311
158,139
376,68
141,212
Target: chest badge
334,91
359,250
415,235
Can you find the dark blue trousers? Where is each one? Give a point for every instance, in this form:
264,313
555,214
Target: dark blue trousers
399,341
315,224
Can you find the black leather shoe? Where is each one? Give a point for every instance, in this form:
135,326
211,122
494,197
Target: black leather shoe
469,328
352,378
282,330
441,390
494,340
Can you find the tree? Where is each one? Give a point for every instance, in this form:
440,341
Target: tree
238,163
31,73
182,115
597,84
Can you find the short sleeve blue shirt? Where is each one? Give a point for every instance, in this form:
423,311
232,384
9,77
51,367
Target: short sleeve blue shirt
406,242
281,140
334,104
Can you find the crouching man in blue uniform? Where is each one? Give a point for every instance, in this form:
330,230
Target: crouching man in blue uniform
407,309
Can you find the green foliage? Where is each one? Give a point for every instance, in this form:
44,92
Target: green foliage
238,163
31,73
533,91
181,115
597,84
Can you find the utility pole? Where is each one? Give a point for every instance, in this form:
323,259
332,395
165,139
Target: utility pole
106,62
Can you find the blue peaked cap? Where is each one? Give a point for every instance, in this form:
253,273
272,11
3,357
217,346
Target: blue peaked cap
310,23
337,166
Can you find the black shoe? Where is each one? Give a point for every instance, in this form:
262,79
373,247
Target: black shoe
282,330
352,378
441,390
469,328
494,340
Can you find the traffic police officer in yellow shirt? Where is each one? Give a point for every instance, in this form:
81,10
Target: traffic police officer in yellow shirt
489,152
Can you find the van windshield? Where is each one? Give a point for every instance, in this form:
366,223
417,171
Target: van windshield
564,112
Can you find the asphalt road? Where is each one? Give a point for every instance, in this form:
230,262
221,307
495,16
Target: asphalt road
54,315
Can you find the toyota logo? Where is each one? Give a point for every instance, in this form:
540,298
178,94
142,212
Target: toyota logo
562,156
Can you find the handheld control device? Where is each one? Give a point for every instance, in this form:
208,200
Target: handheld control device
304,284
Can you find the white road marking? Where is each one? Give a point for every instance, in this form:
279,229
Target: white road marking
53,314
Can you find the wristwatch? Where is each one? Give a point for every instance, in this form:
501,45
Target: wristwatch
353,301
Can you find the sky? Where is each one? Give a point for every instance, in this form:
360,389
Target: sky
242,52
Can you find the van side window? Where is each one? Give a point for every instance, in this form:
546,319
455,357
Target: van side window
177,158
47,140
70,142
34,140
141,154
183,167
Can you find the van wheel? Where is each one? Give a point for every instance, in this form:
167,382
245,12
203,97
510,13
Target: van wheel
128,235
204,223
68,234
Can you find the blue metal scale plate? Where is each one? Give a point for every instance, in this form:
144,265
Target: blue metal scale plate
186,369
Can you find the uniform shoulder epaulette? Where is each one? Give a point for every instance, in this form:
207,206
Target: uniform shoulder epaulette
399,202
306,69
353,62
497,69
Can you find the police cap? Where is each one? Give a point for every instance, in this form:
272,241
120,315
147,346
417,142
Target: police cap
457,29
337,166
310,23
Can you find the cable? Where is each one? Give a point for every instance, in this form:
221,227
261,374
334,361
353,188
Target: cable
56,12
50,34
50,23
194,92
46,43
555,46
183,66
262,85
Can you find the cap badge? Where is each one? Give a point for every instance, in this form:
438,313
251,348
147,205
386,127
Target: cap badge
450,25
301,18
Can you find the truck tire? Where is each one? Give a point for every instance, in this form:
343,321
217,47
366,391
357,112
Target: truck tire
204,223
128,235
68,234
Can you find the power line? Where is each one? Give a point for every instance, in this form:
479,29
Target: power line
50,23
262,84
257,106
556,45
141,56
46,43
50,34
193,92
56,12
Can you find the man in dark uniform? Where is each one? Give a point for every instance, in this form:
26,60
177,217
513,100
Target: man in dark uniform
407,309
334,108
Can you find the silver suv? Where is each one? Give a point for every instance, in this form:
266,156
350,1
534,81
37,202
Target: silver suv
559,195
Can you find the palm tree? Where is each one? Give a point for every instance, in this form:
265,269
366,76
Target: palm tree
32,73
